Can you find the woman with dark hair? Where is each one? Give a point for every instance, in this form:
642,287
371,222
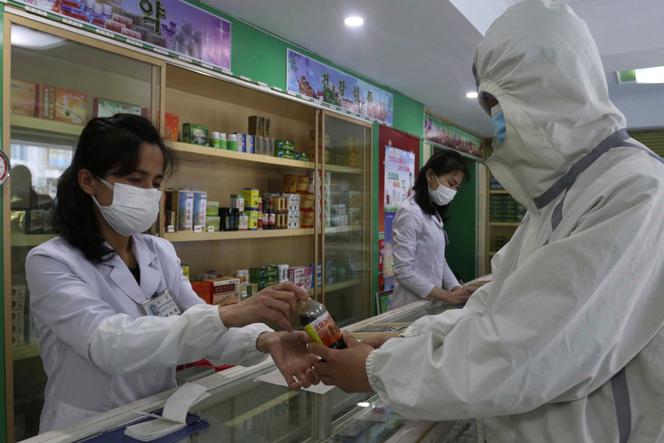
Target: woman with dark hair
420,268
95,289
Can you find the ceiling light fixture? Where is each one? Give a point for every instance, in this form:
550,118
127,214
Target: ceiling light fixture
650,75
30,39
353,21
643,76
472,94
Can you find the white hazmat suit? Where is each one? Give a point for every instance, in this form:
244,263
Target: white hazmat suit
566,344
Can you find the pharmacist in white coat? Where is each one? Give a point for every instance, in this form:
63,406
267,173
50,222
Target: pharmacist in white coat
566,344
91,288
420,268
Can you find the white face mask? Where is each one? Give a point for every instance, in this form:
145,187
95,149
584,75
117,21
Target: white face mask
133,209
442,195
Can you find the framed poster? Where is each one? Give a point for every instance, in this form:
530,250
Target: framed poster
399,164
399,177
172,27
448,135
311,78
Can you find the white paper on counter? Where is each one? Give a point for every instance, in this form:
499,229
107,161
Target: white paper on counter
275,378
178,404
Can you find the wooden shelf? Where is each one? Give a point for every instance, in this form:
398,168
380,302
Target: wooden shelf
23,352
342,285
42,124
498,191
342,229
19,239
505,224
235,235
343,169
338,286
187,151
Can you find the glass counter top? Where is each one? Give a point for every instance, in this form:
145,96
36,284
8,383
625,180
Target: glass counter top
239,409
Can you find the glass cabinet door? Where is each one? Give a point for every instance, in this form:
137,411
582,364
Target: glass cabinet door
57,85
346,247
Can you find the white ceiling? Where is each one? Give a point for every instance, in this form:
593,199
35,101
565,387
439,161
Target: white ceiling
425,48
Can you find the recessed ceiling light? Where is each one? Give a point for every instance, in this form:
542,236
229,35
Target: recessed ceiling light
364,404
471,94
353,21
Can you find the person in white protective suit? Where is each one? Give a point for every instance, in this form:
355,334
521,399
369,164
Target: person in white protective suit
566,343
113,310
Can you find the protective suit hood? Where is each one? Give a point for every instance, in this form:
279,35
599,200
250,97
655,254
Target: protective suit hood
540,62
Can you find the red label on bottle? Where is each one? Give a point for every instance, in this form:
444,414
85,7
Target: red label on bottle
324,330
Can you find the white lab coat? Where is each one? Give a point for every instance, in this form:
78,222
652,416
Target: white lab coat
419,255
567,342
99,349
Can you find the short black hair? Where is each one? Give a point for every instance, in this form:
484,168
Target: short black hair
108,145
442,162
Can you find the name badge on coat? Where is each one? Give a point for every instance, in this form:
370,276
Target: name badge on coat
162,305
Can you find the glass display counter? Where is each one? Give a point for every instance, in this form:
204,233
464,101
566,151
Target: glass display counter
239,409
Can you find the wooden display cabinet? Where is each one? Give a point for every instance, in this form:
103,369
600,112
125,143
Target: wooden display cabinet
78,62
503,216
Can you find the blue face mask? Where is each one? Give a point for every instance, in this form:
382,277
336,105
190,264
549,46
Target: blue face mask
498,119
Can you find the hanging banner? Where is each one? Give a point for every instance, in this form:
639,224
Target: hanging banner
311,78
450,136
178,28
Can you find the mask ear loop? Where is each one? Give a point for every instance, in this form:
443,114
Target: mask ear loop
107,184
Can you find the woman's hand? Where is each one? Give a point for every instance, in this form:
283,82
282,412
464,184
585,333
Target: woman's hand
457,296
290,354
274,305
344,368
470,288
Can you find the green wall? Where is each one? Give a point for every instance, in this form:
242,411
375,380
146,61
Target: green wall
460,226
408,115
3,388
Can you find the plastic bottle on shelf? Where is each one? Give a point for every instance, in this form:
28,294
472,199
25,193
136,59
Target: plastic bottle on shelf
232,142
319,325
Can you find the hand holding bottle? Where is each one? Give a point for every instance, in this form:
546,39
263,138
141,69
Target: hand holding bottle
274,305
345,368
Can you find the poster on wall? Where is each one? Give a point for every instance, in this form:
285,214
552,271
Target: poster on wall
449,135
399,177
399,166
172,25
399,157
311,78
